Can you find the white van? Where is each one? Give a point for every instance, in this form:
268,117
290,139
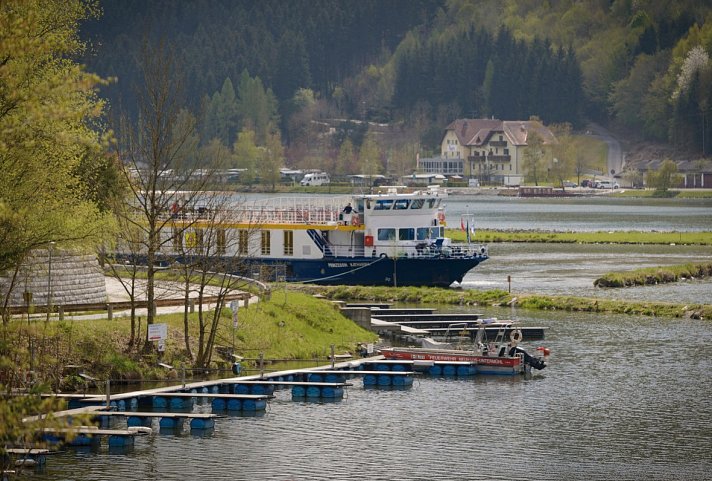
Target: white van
315,179
607,184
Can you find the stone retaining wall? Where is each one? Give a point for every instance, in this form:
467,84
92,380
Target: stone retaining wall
75,279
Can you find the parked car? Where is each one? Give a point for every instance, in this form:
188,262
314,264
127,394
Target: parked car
568,183
586,183
607,184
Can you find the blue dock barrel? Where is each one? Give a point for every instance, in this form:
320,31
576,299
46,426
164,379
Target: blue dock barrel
402,380
138,421
449,370
218,404
202,423
82,440
313,391
171,423
234,404
435,370
241,389
381,367
262,389
315,378
399,368
332,392
160,402
335,378
370,380
182,403
254,404
299,391
384,380
468,370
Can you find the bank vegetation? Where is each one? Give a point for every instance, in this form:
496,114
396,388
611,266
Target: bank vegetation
600,237
655,275
499,298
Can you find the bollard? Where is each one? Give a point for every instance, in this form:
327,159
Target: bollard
60,311
109,311
509,281
108,393
191,305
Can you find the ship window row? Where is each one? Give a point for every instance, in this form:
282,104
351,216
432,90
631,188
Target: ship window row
403,204
193,239
409,233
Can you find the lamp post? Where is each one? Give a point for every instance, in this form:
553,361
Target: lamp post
50,248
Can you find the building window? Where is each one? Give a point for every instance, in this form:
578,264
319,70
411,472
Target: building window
288,242
501,138
242,242
506,151
221,241
265,244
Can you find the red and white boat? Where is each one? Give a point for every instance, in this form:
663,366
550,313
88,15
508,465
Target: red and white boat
501,356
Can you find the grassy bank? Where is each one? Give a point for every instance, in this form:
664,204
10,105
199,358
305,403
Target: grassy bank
289,326
677,194
431,295
613,237
654,275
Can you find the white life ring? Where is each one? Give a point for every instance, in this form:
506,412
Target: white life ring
515,336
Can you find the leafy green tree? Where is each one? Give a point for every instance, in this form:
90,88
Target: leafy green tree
665,178
346,159
51,140
246,155
563,154
534,158
272,160
222,115
370,157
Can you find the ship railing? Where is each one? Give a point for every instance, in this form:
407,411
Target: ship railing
402,251
280,210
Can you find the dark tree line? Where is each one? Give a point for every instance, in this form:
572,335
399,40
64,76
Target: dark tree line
489,75
288,44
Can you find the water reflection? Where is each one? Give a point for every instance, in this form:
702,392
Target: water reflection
623,398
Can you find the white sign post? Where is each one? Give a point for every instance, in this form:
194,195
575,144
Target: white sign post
157,332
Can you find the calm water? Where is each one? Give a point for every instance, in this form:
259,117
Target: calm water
592,213
571,269
624,398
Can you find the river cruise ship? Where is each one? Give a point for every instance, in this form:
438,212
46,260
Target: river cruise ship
389,238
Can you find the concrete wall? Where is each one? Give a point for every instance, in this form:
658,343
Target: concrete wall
75,279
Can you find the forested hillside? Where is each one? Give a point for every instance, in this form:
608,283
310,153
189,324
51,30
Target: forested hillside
418,64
